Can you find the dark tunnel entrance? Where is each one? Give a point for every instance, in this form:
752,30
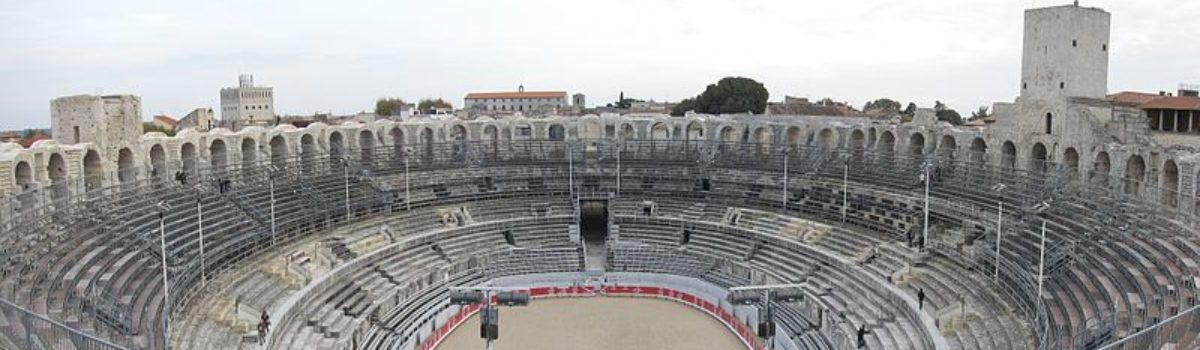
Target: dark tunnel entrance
593,220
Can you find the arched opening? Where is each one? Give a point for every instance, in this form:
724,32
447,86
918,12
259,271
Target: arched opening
491,140
308,149
158,161
458,133
93,171
57,168
978,150
1170,183
794,137
279,152
591,130
762,137
1049,123
1008,157
1101,168
427,144
126,170
1135,174
1071,159
916,144
249,153
660,132
887,142
557,132
1038,158
826,138
871,137
858,140
627,132
337,145
727,134
947,146
187,154
695,131
23,176
397,143
366,147
217,154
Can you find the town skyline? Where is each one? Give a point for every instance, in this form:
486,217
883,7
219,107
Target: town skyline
178,56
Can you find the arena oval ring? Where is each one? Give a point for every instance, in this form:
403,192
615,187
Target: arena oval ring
352,236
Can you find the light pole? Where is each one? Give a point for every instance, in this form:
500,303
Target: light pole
163,208
346,172
271,178
1039,209
845,186
749,295
925,177
570,170
785,178
489,315
200,232
407,198
619,168
999,189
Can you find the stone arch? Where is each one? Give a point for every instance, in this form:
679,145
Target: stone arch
978,150
728,134
458,133
871,137
916,144
858,139
366,147
57,168
947,146
158,161
628,132
1038,157
826,138
1008,155
660,131
397,137
427,140
762,137
308,149
1135,174
491,134
695,131
1101,168
23,176
187,155
126,169
1071,159
93,171
337,144
217,155
249,152
590,129
887,142
556,132
279,151
794,137
1170,183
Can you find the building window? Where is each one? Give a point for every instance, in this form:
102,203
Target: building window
1049,122
1062,85
1074,43
1104,48
1024,86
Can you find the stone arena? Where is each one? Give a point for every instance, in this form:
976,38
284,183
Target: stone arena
1066,224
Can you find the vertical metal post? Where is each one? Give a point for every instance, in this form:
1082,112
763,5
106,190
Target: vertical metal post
925,234
200,230
162,241
407,198
571,170
618,170
785,179
845,188
272,183
999,233
346,171
1042,263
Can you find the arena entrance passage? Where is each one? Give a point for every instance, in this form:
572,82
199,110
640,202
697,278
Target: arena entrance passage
593,220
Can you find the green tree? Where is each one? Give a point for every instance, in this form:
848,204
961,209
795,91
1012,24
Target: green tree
681,108
981,113
427,104
910,110
882,104
946,114
388,106
151,127
733,95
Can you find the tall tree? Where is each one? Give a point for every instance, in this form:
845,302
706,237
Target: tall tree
733,95
981,113
681,108
882,104
388,106
910,110
428,104
946,114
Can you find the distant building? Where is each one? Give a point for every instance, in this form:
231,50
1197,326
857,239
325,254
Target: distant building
247,104
109,121
803,106
1165,112
579,101
518,101
200,119
165,122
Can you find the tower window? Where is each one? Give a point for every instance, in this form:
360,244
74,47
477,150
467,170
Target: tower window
1024,86
1074,43
1104,48
1049,122
1062,85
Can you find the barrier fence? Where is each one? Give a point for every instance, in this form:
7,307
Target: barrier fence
24,329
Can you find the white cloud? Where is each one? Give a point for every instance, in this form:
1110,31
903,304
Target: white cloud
338,56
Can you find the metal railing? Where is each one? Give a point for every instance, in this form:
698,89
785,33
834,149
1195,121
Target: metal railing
25,329
1181,331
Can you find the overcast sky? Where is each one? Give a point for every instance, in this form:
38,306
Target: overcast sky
339,56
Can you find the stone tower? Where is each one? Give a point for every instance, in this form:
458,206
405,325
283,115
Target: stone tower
1065,53
109,121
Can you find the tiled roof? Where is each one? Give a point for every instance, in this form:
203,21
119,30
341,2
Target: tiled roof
1155,101
166,120
516,94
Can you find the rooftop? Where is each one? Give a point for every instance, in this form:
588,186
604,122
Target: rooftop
517,94
1156,101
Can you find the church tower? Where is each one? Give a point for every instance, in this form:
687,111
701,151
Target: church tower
1065,53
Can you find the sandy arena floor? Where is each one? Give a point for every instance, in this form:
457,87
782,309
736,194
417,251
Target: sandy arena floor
599,323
